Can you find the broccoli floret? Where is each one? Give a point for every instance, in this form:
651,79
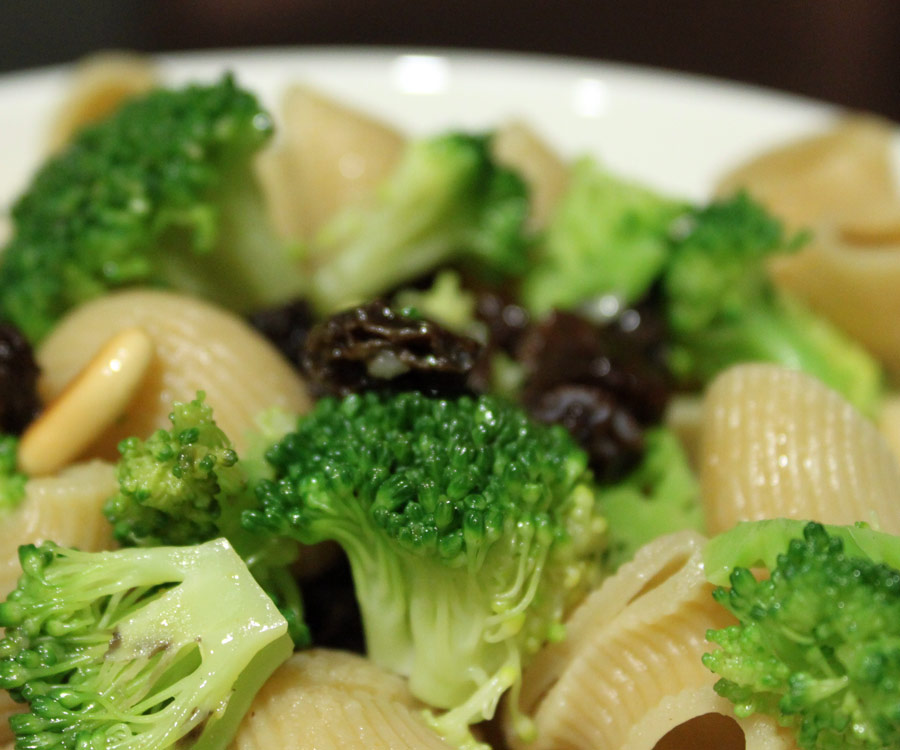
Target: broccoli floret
137,648
469,529
160,193
446,202
186,486
659,497
12,481
722,308
818,644
607,237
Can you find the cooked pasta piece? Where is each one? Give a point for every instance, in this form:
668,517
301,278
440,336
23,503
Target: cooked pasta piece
778,443
100,84
853,286
683,416
197,346
634,643
843,177
328,155
65,508
518,146
330,700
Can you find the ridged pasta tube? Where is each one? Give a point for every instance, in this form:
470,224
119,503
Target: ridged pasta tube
330,700
197,346
328,155
631,644
779,444
64,508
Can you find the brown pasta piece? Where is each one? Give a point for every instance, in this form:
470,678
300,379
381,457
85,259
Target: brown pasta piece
778,443
197,346
632,644
843,178
330,700
328,155
100,84
517,145
65,508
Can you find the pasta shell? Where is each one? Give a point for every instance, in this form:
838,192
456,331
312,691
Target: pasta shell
547,175
101,83
633,642
853,286
65,508
329,700
197,346
777,443
329,155
843,177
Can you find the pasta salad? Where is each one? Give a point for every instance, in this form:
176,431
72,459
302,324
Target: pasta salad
316,433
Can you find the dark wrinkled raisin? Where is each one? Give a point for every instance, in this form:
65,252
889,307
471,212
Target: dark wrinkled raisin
19,403
506,321
604,383
609,433
375,347
286,326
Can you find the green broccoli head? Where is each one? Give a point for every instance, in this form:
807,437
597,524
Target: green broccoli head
818,644
659,497
722,307
159,193
137,648
607,237
469,530
186,485
12,482
446,202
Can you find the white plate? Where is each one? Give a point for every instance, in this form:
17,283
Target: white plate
672,131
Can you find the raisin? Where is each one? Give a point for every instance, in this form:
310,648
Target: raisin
607,430
19,402
374,347
286,326
604,383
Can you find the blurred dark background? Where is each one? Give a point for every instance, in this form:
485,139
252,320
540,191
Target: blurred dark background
844,51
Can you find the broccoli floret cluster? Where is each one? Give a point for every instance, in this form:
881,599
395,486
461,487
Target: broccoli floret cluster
470,530
12,481
186,485
446,202
136,648
159,193
723,308
818,644
614,243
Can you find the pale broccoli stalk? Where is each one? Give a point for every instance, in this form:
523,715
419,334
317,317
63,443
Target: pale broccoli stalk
12,481
660,496
446,202
817,644
186,485
136,648
470,531
160,193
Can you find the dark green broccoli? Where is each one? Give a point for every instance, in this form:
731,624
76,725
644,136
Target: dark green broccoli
470,530
723,308
161,193
818,644
186,486
660,496
12,482
138,648
607,237
446,202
